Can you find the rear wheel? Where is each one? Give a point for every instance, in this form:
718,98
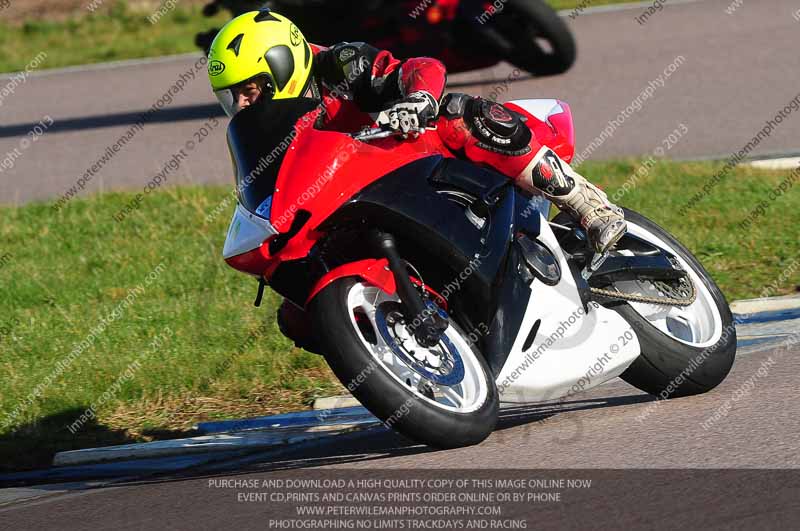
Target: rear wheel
443,396
686,350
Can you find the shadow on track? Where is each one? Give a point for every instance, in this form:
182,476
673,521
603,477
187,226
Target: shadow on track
175,114
376,444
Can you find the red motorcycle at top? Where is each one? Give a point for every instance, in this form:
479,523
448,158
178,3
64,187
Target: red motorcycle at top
438,289
463,34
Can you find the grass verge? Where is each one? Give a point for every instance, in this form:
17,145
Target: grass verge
113,33
584,4
180,340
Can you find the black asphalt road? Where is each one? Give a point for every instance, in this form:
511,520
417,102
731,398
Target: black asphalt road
736,72
630,446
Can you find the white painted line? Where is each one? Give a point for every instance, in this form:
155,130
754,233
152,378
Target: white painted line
144,61
16,495
336,402
771,304
785,163
250,440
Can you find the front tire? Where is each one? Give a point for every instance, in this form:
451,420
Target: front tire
350,320
531,36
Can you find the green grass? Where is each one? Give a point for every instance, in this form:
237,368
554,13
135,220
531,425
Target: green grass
120,33
742,262
570,4
68,270
60,273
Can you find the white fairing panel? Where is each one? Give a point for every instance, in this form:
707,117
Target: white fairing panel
246,232
540,108
573,349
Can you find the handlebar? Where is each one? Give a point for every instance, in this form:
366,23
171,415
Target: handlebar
367,135
372,134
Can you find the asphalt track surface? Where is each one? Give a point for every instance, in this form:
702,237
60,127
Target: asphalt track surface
737,72
629,444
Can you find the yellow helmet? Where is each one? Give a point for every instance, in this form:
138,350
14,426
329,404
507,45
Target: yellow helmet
259,43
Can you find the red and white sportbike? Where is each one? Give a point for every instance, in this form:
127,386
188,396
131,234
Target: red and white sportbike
437,289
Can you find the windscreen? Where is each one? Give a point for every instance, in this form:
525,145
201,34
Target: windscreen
258,138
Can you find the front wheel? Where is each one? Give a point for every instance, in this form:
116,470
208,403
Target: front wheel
443,396
530,35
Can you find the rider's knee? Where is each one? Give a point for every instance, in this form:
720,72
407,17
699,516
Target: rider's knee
495,127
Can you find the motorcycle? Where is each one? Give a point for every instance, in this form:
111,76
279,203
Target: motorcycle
464,34
437,289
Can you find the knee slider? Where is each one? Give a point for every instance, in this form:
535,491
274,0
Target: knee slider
497,128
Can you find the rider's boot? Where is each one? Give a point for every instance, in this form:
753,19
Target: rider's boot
603,221
489,133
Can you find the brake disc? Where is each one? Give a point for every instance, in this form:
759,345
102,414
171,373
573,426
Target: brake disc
450,371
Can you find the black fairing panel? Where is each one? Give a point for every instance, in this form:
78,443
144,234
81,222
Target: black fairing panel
434,234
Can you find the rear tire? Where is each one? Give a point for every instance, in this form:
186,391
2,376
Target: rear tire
668,366
665,365
398,405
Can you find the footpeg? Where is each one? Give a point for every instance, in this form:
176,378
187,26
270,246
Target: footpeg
594,264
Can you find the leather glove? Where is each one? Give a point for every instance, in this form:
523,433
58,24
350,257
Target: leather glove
411,115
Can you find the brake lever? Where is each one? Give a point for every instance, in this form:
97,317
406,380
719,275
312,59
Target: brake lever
371,133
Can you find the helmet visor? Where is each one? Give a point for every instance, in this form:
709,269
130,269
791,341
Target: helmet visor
227,101
257,87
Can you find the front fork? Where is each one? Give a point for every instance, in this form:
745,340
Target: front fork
427,326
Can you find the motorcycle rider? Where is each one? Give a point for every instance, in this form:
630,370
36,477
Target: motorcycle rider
261,59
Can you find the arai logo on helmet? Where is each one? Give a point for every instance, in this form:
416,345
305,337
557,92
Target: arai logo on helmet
294,35
215,68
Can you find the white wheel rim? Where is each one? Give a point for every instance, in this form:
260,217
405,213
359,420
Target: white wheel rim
466,396
698,325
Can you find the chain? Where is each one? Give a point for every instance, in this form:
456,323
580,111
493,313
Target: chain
685,300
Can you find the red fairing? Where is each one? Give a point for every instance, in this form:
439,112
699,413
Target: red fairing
253,262
344,115
558,133
336,168
375,272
